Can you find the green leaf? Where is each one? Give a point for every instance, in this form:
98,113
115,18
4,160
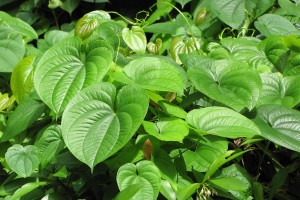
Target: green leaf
222,122
6,102
183,2
50,143
188,191
135,39
172,109
167,129
262,6
97,122
290,7
63,70
275,51
229,183
129,192
22,160
21,81
279,90
70,5
271,24
15,25
12,50
25,189
258,191
280,125
155,74
277,181
235,180
293,66
231,12
144,173
227,84
183,46
163,8
167,191
27,112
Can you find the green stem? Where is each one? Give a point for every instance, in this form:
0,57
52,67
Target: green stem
125,19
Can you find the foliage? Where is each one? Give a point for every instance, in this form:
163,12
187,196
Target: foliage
199,103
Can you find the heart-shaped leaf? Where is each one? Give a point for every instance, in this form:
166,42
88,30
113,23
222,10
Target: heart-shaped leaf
280,125
22,160
144,173
135,39
227,84
98,122
22,78
155,74
63,70
279,90
180,46
49,143
168,129
222,121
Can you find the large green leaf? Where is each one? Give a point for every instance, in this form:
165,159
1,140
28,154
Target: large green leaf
21,81
167,129
98,122
271,24
280,125
15,25
290,7
135,39
144,173
12,50
63,70
27,112
22,160
155,74
279,90
235,85
231,12
49,143
222,121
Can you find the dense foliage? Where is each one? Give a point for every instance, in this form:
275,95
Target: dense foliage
189,100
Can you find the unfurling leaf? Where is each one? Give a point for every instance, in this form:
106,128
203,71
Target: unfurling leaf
135,39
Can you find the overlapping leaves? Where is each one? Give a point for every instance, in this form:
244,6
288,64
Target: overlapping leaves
98,121
64,70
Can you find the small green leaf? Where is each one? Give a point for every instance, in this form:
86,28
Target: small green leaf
229,183
98,122
6,102
21,81
50,143
135,39
172,109
271,24
290,7
167,129
280,125
25,189
183,46
258,191
155,74
144,173
27,112
22,160
70,5
222,121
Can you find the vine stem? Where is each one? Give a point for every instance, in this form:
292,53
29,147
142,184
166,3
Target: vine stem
127,20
